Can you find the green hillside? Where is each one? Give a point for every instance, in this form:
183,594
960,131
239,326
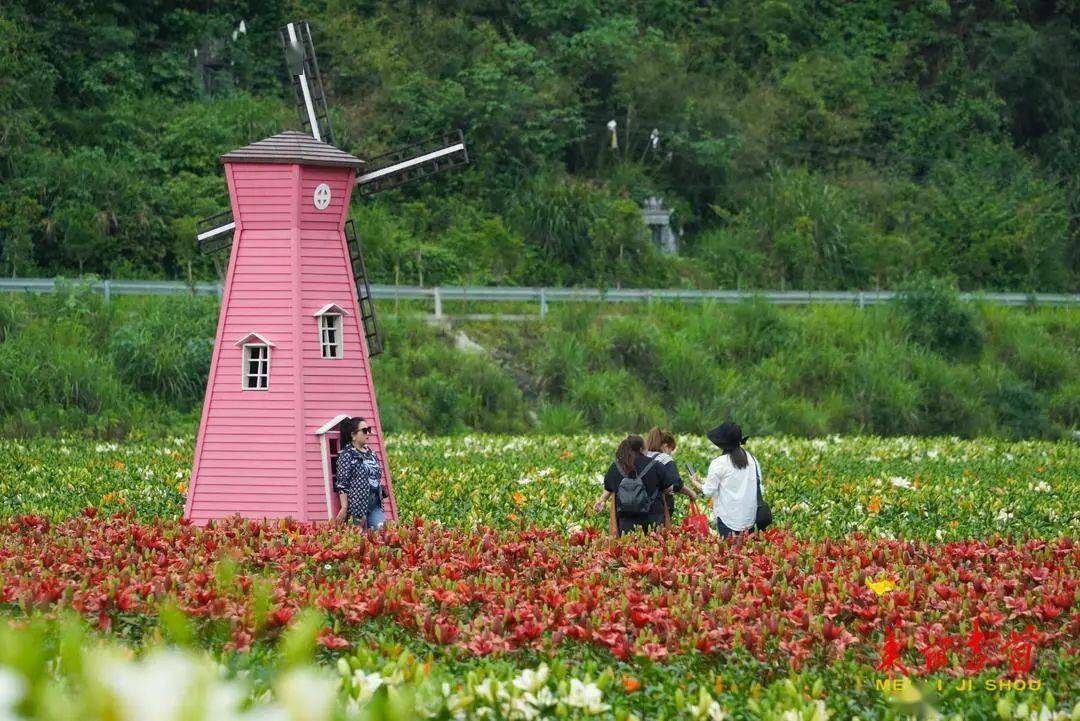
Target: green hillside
927,365
802,144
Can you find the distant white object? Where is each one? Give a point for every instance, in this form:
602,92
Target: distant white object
242,28
1076,436
465,344
654,138
612,126
658,218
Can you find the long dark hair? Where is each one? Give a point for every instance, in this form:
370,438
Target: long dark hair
627,453
347,428
729,437
739,459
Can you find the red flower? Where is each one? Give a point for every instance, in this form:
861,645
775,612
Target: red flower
653,651
281,616
332,642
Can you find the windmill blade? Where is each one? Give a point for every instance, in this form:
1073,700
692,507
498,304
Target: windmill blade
413,162
215,233
306,81
363,291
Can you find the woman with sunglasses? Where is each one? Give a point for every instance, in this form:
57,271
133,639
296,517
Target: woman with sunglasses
359,478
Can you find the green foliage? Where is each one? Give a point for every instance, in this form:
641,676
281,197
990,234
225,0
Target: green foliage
937,319
836,145
614,399
163,348
561,418
424,383
69,362
576,230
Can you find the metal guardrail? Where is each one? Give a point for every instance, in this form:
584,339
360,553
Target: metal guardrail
544,296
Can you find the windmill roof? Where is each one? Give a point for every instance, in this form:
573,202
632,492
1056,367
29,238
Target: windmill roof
292,146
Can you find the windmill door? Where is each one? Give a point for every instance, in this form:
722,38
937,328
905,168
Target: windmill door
329,447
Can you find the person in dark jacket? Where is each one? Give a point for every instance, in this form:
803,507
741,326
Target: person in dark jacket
358,481
631,462
660,444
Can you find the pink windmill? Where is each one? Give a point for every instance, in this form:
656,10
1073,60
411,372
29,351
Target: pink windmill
297,325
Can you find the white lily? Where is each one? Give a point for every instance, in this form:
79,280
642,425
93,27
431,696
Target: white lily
586,696
532,681
307,695
366,685
12,689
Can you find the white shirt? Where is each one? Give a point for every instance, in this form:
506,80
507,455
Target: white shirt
660,457
734,491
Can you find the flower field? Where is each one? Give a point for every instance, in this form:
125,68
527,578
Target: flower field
936,562
934,489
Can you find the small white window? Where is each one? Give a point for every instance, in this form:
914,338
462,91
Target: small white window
256,367
330,324
330,335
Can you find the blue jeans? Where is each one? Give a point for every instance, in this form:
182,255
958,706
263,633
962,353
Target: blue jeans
376,517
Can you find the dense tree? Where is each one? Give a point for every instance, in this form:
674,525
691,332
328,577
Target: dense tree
802,144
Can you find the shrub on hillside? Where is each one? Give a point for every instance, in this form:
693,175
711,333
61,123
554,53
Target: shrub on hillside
164,348
53,378
937,319
1018,407
615,400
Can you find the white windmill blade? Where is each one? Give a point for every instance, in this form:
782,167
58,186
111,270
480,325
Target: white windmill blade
307,81
215,233
390,170
414,162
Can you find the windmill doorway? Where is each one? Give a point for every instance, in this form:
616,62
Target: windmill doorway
329,447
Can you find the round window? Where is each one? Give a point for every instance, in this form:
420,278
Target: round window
322,196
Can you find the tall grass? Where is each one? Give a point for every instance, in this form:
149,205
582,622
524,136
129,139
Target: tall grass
70,363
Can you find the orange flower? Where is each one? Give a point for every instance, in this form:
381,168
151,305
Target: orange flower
512,517
718,687
565,456
119,465
519,498
631,684
874,505
954,524
182,489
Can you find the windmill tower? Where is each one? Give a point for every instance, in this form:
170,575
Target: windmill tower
297,326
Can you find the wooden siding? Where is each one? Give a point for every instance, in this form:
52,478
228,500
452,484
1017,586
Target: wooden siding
333,386
257,453
246,455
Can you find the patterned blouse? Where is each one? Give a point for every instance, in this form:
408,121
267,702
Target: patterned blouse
359,475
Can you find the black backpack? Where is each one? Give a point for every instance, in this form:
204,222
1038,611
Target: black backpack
633,495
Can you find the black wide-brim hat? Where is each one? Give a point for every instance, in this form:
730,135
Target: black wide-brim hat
727,436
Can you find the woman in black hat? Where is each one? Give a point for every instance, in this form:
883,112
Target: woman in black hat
733,481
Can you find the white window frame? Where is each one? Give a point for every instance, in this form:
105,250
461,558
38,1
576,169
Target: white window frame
249,351
330,323
331,310
247,344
